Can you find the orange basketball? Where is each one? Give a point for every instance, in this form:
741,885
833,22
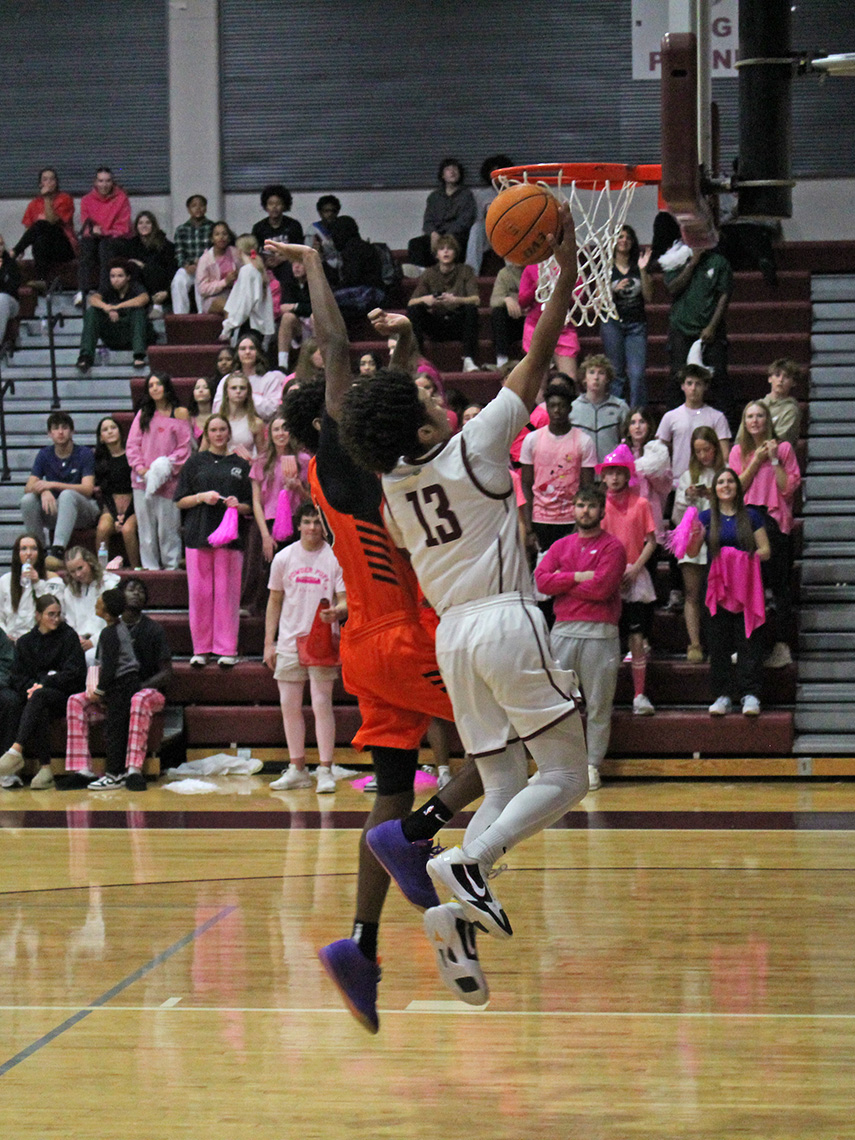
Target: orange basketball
519,221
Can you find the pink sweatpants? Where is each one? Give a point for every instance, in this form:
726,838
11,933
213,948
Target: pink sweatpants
81,713
213,583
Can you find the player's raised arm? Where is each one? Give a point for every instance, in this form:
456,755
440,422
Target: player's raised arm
526,378
400,327
327,321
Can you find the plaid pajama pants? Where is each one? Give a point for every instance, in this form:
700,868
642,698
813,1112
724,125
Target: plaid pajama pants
81,713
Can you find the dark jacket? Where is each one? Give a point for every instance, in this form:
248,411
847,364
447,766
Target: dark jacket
10,275
53,659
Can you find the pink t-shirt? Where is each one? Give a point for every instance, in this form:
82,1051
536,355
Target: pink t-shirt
270,488
676,428
304,577
539,416
764,490
629,518
557,461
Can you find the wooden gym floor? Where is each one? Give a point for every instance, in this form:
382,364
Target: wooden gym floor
682,967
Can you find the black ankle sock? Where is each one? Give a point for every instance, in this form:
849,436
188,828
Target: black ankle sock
426,822
365,937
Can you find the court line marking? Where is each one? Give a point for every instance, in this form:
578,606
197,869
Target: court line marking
420,1007
169,1003
152,964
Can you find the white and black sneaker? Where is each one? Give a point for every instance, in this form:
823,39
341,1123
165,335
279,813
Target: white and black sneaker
467,882
453,940
108,782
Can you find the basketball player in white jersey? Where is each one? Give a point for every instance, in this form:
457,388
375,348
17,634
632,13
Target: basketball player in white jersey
449,502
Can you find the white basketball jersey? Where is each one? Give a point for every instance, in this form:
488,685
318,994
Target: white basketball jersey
455,510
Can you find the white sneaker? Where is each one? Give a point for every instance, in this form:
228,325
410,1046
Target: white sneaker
469,365
594,780
42,779
453,940
452,871
11,762
78,300
198,660
326,780
443,775
227,661
641,706
779,657
292,778
750,706
721,706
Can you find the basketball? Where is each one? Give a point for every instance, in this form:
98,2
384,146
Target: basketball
519,221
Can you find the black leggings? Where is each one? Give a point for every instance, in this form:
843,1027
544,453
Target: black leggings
41,710
50,245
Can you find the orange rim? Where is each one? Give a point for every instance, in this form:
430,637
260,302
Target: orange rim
586,175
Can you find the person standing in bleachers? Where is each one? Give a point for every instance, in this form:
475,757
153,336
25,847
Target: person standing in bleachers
625,336
652,463
211,482
769,473
567,348
784,409
265,383
105,226
596,411
192,238
158,447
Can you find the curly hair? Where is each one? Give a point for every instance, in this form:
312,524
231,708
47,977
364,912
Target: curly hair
300,408
381,418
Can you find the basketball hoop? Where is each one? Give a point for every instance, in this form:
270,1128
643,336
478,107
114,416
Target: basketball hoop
609,188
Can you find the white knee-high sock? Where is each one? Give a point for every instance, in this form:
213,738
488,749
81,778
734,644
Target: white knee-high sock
562,761
503,776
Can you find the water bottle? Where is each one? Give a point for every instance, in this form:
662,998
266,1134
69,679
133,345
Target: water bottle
103,556
102,354
25,570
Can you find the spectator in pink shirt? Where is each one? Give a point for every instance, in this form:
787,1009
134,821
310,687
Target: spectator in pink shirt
769,473
105,226
584,572
217,269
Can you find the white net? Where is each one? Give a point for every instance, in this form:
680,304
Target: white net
599,215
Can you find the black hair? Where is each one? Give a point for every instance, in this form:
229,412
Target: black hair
697,372
451,162
231,232
491,163
114,602
193,198
328,200
744,530
60,419
193,406
302,511
559,388
301,407
666,230
140,584
101,451
52,169
120,263
276,190
381,418
344,230
104,170
261,361
147,404
634,247
15,566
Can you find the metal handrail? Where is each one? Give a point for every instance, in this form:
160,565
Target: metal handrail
52,319
5,386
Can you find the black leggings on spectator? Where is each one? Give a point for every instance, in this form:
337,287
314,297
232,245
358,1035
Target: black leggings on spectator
507,330
50,245
725,636
96,253
455,324
41,710
777,572
11,705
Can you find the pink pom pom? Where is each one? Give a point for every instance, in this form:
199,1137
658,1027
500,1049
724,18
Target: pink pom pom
678,539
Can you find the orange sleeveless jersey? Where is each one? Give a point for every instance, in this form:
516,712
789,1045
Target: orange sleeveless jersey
378,580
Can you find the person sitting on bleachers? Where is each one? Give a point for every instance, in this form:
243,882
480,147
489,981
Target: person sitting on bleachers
21,585
329,208
201,405
86,580
59,494
250,302
358,281
369,362
596,411
477,245
444,303
118,316
155,672
105,226
276,200
567,348
49,665
114,490
295,321
217,269
784,409
769,473
49,227
265,383
450,212
151,251
158,447
10,281
506,316
192,238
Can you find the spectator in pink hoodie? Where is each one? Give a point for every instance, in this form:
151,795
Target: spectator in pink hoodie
105,225
159,444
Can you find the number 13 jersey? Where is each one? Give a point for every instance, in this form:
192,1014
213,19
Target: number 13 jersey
455,512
